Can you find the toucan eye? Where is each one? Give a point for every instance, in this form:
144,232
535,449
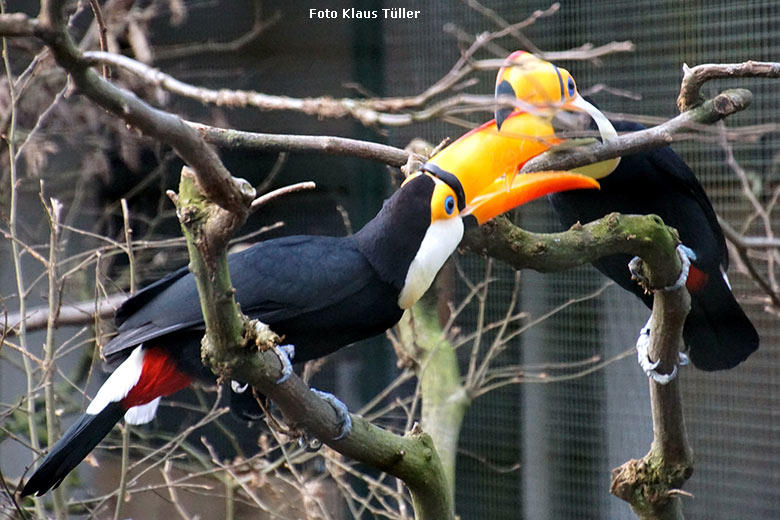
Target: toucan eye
449,204
571,86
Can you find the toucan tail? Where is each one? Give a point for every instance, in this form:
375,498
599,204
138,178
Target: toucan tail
71,449
132,391
718,332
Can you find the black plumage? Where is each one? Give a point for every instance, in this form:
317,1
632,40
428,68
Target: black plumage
659,182
80,439
320,292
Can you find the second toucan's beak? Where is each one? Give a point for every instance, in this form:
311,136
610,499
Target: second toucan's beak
498,198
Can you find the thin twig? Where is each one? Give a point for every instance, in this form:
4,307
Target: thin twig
260,26
121,492
16,253
128,232
102,30
53,212
292,188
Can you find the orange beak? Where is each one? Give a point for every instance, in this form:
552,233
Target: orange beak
498,198
485,163
484,154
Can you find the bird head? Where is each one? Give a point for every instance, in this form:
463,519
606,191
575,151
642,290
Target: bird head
544,90
450,208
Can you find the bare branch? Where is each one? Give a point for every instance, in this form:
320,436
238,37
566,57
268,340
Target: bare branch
226,347
166,127
101,28
693,78
643,236
724,104
17,24
259,27
651,485
265,199
302,144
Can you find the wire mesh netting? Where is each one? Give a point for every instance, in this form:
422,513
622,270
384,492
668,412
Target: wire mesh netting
545,451
543,446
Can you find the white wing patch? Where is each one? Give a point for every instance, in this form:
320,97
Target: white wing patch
440,240
142,414
119,384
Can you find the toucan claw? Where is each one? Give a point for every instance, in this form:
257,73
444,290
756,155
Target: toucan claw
686,255
309,443
312,444
237,387
648,366
285,353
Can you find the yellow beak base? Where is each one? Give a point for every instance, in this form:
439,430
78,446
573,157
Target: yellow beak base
499,197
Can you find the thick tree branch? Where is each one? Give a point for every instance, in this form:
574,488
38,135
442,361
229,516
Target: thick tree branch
652,485
17,24
444,399
645,236
302,144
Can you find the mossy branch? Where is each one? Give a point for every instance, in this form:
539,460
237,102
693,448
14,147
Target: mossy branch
645,236
652,484
444,399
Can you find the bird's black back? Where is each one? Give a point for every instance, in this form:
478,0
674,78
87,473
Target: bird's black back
655,182
310,289
320,292
659,182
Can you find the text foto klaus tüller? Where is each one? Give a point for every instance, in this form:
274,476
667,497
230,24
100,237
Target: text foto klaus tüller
395,13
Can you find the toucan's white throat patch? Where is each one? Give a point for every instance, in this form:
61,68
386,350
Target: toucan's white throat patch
440,240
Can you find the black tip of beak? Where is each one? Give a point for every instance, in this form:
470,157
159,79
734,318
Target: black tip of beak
503,89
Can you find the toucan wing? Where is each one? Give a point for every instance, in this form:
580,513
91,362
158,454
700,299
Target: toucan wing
682,179
275,280
654,182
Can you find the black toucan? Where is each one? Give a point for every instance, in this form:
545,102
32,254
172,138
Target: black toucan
717,331
321,293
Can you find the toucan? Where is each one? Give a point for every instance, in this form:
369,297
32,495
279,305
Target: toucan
321,293
717,332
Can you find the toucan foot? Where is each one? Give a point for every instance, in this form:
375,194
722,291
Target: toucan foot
648,366
309,443
345,421
686,254
312,444
285,354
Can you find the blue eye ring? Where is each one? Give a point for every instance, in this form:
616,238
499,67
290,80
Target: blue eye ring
449,204
571,86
